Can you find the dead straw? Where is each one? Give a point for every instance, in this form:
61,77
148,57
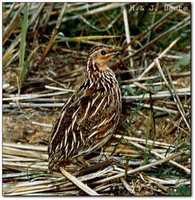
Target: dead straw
77,182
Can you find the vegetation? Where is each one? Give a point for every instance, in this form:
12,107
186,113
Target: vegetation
45,47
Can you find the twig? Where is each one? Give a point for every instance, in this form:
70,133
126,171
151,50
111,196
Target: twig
180,25
107,7
153,63
126,185
55,31
149,142
148,84
174,75
37,13
26,146
177,99
165,182
109,26
163,109
188,171
11,26
175,95
153,20
9,12
155,25
159,95
127,32
57,88
33,96
142,168
78,183
159,57
42,124
23,166
33,105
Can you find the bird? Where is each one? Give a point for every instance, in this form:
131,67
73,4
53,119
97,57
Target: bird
90,116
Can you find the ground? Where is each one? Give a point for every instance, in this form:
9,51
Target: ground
18,123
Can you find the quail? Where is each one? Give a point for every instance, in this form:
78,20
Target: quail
90,116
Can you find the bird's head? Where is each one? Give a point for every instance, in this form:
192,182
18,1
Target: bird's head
101,54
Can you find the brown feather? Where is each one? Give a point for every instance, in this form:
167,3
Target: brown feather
89,117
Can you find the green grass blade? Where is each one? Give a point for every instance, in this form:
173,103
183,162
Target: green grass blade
23,67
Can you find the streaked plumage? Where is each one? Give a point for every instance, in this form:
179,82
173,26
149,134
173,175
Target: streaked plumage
90,115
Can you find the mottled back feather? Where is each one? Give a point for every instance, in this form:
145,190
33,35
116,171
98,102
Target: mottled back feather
88,119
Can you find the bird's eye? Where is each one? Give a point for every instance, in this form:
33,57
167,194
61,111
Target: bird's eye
103,52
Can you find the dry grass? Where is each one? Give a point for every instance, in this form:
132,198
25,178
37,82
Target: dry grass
44,58
26,170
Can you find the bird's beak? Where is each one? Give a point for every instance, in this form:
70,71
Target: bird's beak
118,53
115,52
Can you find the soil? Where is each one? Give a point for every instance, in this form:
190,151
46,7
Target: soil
18,122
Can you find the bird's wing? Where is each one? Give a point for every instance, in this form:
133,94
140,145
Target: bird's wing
86,114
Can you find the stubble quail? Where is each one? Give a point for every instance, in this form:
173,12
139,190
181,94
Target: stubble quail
90,116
